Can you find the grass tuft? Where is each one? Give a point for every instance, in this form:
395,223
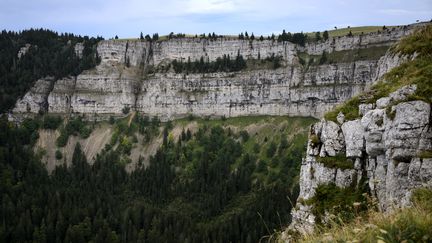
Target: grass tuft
402,225
339,161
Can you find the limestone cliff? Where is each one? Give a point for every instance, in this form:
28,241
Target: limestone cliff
131,75
387,146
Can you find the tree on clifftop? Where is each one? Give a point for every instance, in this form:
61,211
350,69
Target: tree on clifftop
325,35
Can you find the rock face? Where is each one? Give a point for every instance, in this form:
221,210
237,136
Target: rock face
133,74
388,149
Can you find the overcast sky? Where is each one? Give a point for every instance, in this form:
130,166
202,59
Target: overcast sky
127,18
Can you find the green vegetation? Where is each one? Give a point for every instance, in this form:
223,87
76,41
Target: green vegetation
426,154
315,140
412,224
338,161
356,30
345,56
49,54
75,126
417,71
341,204
58,155
224,64
212,185
297,38
51,122
350,109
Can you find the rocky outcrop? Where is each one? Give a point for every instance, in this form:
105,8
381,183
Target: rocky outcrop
133,74
35,100
390,147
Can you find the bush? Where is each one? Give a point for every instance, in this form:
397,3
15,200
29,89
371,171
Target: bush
58,155
111,120
73,127
85,131
51,122
126,110
271,150
244,135
331,199
350,109
412,224
339,161
63,138
314,140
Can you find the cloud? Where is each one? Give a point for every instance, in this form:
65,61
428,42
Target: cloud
401,12
210,6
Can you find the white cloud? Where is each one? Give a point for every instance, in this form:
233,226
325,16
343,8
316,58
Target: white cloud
210,6
403,12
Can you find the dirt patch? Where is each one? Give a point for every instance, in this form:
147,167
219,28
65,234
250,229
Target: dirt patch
91,146
144,152
177,130
47,143
97,140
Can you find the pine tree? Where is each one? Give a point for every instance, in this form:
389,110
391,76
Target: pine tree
318,36
325,35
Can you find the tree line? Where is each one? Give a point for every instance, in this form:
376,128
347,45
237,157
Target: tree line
221,64
49,54
189,192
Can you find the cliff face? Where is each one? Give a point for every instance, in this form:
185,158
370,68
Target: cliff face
387,145
129,76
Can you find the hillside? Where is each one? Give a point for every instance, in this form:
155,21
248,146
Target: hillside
136,179
373,153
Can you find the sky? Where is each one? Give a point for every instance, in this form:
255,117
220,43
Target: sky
127,18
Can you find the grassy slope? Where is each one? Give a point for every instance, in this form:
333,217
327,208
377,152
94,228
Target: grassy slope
404,225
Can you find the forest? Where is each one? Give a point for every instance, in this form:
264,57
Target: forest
207,186
48,54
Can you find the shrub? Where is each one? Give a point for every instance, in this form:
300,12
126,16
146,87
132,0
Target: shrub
126,110
350,109
339,161
271,150
58,155
51,122
244,135
85,131
411,224
343,203
425,154
111,120
314,139
63,138
73,127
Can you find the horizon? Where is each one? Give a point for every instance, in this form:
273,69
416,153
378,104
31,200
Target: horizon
129,18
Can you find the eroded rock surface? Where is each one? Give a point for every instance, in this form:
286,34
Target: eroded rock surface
388,148
134,74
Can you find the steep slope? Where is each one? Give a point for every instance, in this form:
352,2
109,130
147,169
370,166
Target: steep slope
221,180
140,75
378,143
